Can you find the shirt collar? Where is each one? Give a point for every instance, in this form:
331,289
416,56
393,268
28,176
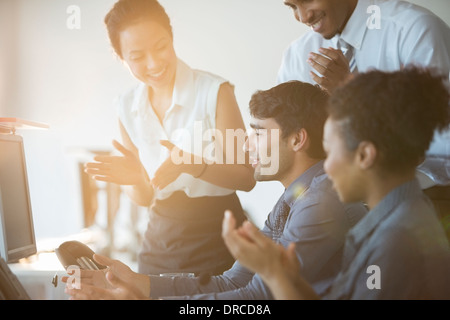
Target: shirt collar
140,99
182,92
356,27
302,183
383,209
184,86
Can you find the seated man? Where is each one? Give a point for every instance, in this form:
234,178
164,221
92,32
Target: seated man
286,146
379,128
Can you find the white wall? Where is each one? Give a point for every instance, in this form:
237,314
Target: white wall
70,78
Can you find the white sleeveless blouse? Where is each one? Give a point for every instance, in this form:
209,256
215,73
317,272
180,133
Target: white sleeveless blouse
188,124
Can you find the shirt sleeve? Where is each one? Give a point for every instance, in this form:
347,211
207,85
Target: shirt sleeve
426,42
256,289
238,283
293,64
191,288
318,227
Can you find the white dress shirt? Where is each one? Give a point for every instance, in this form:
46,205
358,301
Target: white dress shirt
404,34
186,124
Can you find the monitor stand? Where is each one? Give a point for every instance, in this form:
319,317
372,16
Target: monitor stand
10,286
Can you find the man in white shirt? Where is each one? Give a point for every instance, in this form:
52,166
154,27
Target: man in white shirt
387,35
382,34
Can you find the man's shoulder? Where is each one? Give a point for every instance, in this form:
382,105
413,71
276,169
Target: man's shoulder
406,13
319,191
320,202
321,198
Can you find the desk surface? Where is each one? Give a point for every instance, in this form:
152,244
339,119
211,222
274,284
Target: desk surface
36,277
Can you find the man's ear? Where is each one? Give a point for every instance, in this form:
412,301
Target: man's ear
299,140
366,155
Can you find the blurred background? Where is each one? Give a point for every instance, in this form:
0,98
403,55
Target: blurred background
63,72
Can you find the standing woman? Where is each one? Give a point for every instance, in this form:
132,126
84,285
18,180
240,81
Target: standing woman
163,120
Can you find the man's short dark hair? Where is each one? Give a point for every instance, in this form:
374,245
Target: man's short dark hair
294,105
397,111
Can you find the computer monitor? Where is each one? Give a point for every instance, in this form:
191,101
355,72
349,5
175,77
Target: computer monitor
17,238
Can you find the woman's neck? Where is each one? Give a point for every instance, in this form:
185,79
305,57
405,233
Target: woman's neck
382,184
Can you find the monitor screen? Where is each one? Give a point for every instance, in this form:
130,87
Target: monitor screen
17,238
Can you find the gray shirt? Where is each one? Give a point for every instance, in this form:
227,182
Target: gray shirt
317,223
398,251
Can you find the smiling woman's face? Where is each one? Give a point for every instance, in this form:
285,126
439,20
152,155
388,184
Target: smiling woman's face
340,164
147,49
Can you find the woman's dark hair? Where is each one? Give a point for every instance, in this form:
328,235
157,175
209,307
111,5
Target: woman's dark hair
127,12
294,105
397,111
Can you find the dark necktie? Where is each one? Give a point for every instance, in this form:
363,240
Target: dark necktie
282,210
349,53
